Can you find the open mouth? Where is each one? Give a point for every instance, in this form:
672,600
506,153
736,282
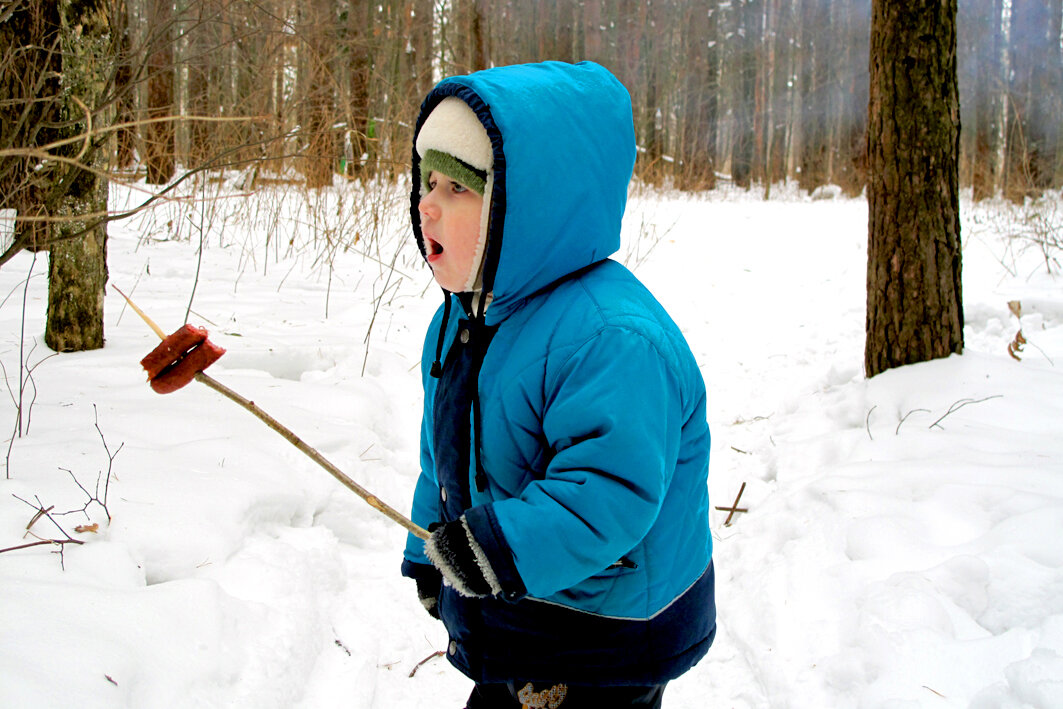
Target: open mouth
433,248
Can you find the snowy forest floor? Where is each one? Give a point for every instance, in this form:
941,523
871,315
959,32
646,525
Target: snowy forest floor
901,546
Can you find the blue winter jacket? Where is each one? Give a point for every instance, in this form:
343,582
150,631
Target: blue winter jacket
567,422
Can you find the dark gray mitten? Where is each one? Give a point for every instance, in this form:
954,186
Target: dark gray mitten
464,565
428,583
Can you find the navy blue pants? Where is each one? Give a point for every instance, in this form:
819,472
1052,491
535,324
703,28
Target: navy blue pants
541,695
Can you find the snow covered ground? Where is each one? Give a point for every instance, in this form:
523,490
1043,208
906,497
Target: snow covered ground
902,545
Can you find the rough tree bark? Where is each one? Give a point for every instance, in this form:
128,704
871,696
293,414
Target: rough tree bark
77,264
29,85
159,136
914,298
125,104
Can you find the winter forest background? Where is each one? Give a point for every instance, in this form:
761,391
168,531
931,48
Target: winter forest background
751,91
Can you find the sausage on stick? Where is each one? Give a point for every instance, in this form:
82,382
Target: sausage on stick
210,353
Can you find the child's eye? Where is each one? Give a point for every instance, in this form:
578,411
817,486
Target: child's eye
458,188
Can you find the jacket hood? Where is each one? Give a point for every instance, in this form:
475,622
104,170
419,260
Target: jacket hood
563,144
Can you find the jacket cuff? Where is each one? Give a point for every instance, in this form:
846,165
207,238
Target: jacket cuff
420,572
485,529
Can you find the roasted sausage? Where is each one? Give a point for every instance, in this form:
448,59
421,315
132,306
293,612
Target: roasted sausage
185,369
172,349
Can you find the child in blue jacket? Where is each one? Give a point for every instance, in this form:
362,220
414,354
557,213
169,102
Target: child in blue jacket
564,444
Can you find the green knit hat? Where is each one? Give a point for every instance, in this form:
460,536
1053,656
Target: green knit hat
453,167
453,142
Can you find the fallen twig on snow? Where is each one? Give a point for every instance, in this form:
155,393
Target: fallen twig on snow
42,511
733,508
904,418
437,653
867,422
956,406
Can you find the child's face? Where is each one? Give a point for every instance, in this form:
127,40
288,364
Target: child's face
450,224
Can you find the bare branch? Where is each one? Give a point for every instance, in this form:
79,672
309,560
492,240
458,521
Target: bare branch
905,417
956,406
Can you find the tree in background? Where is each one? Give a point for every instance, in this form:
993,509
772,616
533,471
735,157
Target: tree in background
317,92
1034,98
981,31
696,168
741,92
56,175
77,260
746,37
813,81
159,132
914,299
849,164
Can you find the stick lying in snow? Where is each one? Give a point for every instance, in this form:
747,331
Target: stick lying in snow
375,502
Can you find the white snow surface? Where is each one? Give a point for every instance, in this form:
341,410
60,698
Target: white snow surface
903,544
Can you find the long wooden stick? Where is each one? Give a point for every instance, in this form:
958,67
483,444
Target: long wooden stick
374,501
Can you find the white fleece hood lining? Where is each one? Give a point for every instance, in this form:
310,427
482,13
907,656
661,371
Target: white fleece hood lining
454,128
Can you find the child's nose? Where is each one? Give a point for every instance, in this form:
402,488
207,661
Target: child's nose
428,207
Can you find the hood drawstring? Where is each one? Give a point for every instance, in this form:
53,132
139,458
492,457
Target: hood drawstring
477,419
481,474
437,366
479,327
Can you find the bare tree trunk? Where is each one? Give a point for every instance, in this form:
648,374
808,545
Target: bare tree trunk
469,36
696,166
29,82
316,93
629,48
782,82
761,105
815,31
592,30
198,63
745,98
125,104
986,38
850,69
914,296
159,136
654,75
478,34
1033,119
1052,107
711,105
563,31
421,46
767,77
359,72
77,271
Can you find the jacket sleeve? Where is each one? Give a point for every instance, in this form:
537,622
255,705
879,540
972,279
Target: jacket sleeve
612,419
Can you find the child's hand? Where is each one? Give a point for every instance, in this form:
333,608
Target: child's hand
428,590
455,552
